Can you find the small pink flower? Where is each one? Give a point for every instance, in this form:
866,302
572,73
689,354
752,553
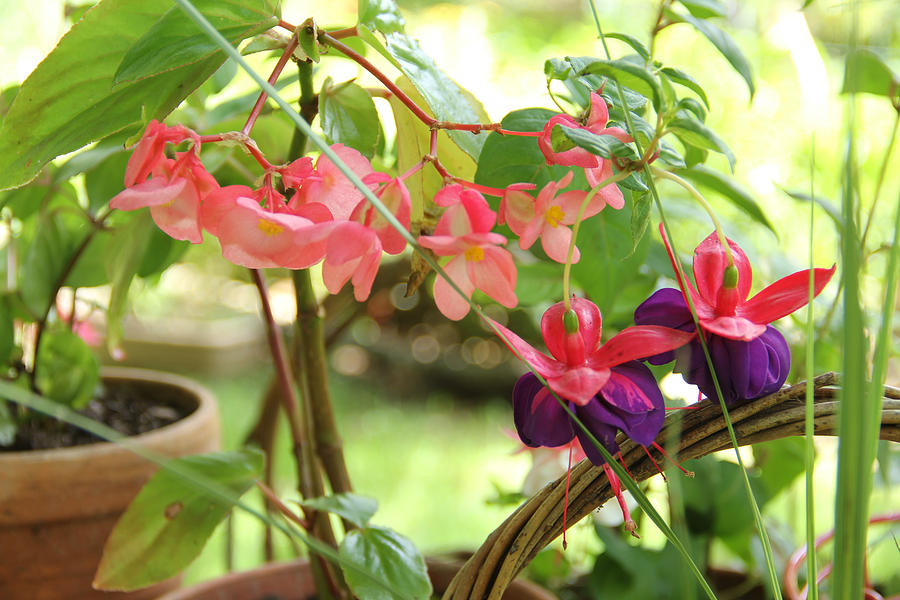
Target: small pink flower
328,186
256,237
547,216
174,194
150,150
294,174
394,195
464,232
596,169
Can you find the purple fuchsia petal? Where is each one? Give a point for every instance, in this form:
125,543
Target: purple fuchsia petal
603,423
539,418
633,393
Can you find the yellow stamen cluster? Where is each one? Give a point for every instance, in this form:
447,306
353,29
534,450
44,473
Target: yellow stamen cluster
554,215
475,254
269,228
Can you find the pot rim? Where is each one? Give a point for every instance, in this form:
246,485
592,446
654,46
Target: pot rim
205,409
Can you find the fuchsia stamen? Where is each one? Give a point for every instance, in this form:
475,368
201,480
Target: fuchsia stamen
655,464
673,461
616,486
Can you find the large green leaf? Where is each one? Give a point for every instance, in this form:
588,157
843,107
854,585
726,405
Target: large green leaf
45,260
723,43
445,97
348,116
866,72
682,78
70,100
169,521
629,75
729,189
176,41
67,369
390,556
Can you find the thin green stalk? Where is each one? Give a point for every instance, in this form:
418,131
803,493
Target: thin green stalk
760,526
567,269
880,181
811,568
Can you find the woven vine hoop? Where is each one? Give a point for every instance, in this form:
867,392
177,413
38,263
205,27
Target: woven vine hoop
692,433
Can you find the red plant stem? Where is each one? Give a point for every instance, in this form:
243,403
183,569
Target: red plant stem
272,497
279,67
286,25
340,34
245,141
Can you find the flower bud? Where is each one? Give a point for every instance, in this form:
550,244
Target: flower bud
730,277
570,321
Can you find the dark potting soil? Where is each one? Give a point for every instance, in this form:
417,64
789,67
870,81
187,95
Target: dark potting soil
129,407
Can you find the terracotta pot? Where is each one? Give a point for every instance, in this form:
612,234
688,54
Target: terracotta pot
57,507
293,581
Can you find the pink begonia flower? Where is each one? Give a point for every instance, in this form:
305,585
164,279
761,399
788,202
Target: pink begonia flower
174,194
726,311
328,186
294,174
150,150
596,169
355,246
464,232
579,365
394,195
547,216
256,237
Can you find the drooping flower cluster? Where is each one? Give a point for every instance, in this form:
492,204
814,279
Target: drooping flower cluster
604,385
326,219
750,357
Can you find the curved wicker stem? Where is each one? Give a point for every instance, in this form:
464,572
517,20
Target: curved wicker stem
693,434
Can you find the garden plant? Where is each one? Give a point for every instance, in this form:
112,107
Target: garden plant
572,215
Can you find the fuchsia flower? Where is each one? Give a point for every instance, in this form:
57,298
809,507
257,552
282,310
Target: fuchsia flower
603,384
176,186
547,216
596,169
464,232
750,357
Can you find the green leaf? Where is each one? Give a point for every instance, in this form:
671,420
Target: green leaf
45,259
537,281
779,463
866,72
693,132
609,263
632,41
175,41
830,209
729,189
640,218
682,78
7,334
557,68
69,100
169,521
67,370
670,156
692,106
106,179
387,555
348,116
724,44
414,142
581,85
350,507
447,100
704,9
129,246
508,159
629,75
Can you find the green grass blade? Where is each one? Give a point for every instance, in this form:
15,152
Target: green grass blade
810,455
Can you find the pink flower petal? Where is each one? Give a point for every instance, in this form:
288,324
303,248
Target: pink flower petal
580,384
638,342
543,364
446,298
609,194
153,192
735,328
599,112
575,157
710,260
784,296
495,275
555,241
